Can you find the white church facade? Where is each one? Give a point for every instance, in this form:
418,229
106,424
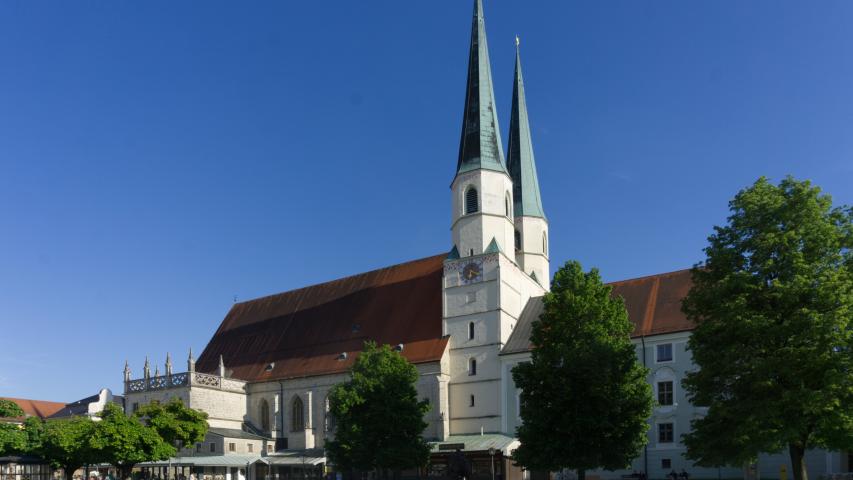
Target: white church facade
462,318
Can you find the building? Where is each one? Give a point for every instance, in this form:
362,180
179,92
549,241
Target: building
461,317
90,406
33,408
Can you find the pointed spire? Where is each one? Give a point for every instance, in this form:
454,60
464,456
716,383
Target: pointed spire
168,364
146,369
156,371
126,371
191,362
221,366
522,166
481,145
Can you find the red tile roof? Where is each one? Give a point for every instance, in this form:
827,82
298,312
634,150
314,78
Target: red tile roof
305,331
37,408
653,304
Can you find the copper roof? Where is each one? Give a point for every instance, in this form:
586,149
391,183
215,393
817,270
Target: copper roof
37,408
303,332
653,304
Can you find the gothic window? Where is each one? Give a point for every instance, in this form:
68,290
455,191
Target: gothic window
264,415
508,206
297,415
472,366
330,417
517,240
545,243
471,331
472,201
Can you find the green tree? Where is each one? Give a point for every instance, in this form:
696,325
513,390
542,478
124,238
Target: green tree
12,436
773,303
585,402
124,441
64,443
175,423
378,416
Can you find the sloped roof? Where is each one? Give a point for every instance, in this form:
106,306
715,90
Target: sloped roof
37,408
653,304
303,332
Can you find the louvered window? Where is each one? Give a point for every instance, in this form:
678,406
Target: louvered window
472,201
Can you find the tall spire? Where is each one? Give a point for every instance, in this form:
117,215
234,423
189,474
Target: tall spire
481,145
522,166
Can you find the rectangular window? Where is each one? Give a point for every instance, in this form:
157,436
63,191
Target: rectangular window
664,352
232,447
269,448
665,393
665,463
472,401
135,406
665,433
212,447
250,448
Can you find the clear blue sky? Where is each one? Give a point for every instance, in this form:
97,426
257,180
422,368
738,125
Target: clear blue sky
159,158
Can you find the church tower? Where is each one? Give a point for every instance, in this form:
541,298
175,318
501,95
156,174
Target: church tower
531,227
484,289
482,189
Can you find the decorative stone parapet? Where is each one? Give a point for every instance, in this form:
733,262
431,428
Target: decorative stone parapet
184,379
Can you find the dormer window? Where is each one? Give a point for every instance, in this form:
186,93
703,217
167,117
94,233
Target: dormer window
472,201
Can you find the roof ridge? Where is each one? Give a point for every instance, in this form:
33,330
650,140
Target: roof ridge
647,277
340,279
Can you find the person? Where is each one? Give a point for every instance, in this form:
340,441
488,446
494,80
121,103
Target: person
673,475
684,475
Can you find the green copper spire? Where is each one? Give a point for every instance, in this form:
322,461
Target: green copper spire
522,166
481,145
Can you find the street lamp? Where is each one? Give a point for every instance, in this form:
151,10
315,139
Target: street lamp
492,462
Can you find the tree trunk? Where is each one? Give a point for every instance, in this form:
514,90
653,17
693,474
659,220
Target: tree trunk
68,472
581,474
798,462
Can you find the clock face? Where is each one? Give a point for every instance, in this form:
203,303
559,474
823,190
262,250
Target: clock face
471,272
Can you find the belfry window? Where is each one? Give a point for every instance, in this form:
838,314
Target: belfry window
472,366
545,243
297,415
264,415
471,331
517,240
472,201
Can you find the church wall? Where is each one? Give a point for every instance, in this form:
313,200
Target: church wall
224,409
139,399
476,230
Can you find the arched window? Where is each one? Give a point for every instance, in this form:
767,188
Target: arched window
264,415
471,331
330,417
508,206
545,243
517,240
472,366
297,415
472,201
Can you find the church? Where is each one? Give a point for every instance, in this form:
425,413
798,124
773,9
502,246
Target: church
462,317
